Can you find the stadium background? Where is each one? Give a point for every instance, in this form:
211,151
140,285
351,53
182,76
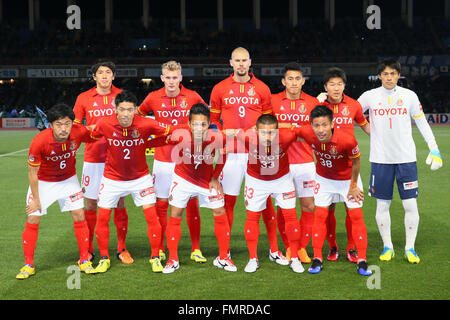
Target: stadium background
42,63
203,50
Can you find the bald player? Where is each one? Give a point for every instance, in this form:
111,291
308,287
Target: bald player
236,103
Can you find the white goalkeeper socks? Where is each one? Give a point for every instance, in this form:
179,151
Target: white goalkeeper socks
383,219
411,221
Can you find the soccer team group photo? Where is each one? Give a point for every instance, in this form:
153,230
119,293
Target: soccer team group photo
322,182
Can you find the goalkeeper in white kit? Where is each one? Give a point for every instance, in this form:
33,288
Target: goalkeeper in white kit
393,153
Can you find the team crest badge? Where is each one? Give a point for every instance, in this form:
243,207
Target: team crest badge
73,145
163,105
135,134
113,102
184,104
333,150
302,108
399,102
251,92
345,112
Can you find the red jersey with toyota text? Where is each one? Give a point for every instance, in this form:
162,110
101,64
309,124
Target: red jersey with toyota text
333,157
267,162
238,104
169,110
93,106
126,158
296,112
56,160
346,114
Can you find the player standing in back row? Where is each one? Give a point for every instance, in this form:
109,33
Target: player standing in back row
92,105
294,106
238,101
346,113
393,153
171,105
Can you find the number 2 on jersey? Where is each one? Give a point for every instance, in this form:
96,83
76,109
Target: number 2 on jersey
127,154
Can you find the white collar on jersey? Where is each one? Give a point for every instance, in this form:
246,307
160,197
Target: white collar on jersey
388,92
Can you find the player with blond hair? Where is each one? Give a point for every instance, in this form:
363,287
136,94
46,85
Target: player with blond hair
171,105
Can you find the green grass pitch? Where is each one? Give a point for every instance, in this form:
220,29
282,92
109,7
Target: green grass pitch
57,249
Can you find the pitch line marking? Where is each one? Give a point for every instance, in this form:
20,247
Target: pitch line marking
11,153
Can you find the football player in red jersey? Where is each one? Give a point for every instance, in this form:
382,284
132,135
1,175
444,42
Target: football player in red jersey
237,102
171,105
346,113
337,168
92,105
52,177
294,106
126,172
267,176
196,176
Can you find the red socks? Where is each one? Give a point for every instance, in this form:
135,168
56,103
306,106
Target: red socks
251,229
91,220
193,222
270,222
222,232
82,235
281,228
359,232
230,201
306,225
30,235
292,230
29,239
173,234
319,231
121,222
153,230
161,211
102,231
331,228
348,226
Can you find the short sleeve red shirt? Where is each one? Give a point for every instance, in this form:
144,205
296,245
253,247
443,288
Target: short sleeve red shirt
346,114
93,106
296,112
333,157
169,110
240,104
56,160
268,162
195,161
126,158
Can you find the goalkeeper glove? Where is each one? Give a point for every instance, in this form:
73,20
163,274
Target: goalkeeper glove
434,157
322,97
